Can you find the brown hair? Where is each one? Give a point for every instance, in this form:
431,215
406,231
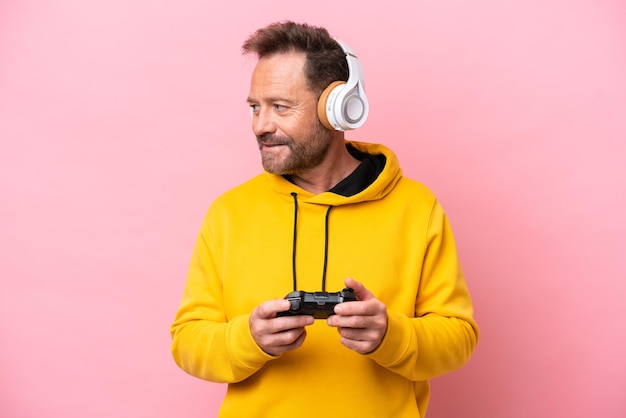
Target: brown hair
325,60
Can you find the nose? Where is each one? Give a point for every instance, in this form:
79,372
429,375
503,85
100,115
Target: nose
263,122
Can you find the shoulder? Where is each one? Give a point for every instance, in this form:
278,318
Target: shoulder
246,190
410,187
238,197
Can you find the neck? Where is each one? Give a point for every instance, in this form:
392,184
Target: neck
336,166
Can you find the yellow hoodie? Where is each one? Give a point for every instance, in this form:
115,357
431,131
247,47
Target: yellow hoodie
393,237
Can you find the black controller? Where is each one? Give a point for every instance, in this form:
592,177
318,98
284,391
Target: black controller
318,304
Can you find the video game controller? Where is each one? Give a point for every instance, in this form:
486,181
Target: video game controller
318,304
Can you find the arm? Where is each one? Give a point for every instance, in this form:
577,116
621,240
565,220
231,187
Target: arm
442,335
206,344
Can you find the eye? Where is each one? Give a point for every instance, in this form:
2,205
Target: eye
254,109
279,107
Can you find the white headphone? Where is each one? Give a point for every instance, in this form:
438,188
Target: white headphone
343,104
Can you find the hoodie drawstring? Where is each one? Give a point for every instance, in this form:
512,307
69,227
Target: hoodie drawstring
295,240
325,249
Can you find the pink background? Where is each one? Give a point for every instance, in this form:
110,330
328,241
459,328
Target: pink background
120,121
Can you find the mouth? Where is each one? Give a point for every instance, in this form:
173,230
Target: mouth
271,145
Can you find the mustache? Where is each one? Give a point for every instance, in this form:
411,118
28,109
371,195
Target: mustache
272,139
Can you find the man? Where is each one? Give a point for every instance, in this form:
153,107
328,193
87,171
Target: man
326,214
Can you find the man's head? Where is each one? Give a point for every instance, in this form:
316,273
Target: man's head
296,63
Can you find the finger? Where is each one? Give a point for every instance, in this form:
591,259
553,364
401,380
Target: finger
298,341
278,343
362,340
270,308
359,322
362,347
370,307
346,320
358,334
292,344
261,327
290,322
360,291
288,337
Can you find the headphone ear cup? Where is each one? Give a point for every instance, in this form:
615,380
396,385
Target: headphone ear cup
324,108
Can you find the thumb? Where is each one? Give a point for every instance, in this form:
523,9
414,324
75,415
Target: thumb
360,291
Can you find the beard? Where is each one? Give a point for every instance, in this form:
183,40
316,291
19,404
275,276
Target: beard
304,154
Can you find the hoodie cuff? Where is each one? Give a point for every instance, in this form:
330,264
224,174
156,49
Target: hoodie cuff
396,342
243,347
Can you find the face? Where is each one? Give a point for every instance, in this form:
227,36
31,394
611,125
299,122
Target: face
284,116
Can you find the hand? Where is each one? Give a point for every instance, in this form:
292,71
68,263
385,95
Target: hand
362,324
277,335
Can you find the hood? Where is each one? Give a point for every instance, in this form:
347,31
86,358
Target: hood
384,183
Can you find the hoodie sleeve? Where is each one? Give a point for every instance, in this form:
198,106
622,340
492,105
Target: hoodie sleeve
204,343
443,334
